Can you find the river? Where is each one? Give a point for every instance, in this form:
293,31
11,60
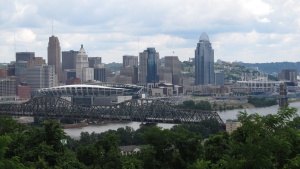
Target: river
225,115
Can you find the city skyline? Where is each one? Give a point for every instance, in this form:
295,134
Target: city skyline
248,31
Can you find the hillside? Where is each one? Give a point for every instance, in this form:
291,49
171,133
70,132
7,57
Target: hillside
273,66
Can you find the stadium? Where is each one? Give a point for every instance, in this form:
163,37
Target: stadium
87,94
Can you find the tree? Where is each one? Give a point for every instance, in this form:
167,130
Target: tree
216,147
189,104
264,141
14,162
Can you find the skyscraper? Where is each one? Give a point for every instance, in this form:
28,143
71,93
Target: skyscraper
130,61
204,62
41,76
69,59
24,56
81,62
148,66
174,64
95,62
54,55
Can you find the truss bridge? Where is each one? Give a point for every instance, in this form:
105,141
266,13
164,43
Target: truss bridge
140,110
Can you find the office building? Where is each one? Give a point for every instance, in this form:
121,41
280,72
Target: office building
3,73
130,61
100,74
204,62
41,76
148,66
69,74
165,74
69,59
219,78
81,62
24,56
130,72
173,63
36,61
23,91
87,74
95,62
21,70
11,70
54,55
7,87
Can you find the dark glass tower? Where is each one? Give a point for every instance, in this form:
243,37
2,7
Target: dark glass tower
204,62
152,76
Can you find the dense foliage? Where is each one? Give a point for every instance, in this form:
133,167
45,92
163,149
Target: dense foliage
262,102
271,141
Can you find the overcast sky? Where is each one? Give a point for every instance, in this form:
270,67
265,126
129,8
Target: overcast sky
239,30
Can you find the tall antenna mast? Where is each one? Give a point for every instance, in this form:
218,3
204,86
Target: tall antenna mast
138,44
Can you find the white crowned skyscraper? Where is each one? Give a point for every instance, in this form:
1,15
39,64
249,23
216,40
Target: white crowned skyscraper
204,62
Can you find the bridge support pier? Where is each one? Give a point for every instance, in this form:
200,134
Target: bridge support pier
283,100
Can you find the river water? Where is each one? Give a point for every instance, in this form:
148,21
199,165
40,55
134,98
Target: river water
225,115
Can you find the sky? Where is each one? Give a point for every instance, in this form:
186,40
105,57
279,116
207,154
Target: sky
255,31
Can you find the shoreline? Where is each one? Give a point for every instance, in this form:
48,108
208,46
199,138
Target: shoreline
76,125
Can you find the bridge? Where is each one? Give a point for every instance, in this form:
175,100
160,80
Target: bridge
140,110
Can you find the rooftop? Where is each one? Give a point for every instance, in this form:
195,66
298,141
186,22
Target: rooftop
204,37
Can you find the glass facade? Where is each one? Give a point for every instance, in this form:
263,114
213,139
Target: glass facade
204,62
152,76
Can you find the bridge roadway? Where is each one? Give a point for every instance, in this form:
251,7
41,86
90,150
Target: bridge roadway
141,110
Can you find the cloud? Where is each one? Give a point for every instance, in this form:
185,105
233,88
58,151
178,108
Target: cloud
250,31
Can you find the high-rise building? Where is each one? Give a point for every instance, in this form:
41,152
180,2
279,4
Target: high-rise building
130,72
148,66
54,55
11,69
130,61
100,74
165,75
219,78
36,61
41,76
87,74
95,62
21,70
69,59
174,64
204,62
7,87
81,62
24,56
